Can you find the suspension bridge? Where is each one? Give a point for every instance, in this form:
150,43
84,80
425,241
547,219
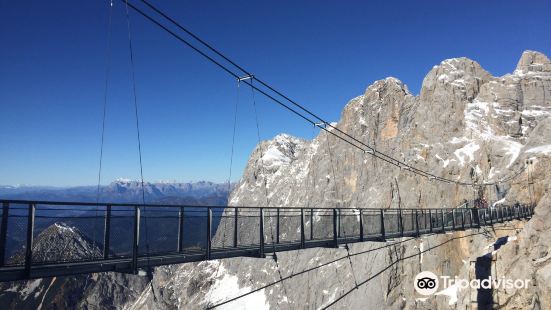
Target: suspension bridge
133,238
183,234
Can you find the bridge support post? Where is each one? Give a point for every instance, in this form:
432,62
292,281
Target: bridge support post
443,224
302,236
430,221
453,219
261,229
361,226
311,224
277,226
400,223
463,219
335,232
235,227
339,223
30,236
180,229
383,234
209,233
136,240
417,223
3,232
107,232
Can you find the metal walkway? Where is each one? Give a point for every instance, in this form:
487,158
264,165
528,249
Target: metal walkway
129,238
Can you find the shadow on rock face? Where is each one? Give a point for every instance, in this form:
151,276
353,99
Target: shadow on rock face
483,270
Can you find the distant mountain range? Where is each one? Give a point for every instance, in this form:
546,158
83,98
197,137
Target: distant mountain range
126,191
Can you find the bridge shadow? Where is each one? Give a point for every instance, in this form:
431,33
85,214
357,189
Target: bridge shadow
483,270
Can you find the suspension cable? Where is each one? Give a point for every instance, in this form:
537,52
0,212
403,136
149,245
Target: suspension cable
105,95
265,179
133,78
328,127
231,154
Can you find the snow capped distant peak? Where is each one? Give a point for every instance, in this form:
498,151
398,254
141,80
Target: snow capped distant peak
123,180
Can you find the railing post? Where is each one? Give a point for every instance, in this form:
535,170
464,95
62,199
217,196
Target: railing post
302,237
491,217
430,221
209,232
180,229
361,227
236,227
383,234
277,226
136,240
339,223
335,236
453,219
463,219
400,223
443,224
107,232
471,217
261,229
311,224
417,222
3,232
30,236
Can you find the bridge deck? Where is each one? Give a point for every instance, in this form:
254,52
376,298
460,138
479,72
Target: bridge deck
128,238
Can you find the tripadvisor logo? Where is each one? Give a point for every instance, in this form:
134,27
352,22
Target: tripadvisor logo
426,283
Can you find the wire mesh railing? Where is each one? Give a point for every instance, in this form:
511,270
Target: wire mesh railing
38,233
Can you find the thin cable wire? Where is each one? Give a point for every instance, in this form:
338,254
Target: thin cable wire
105,95
133,77
231,155
265,181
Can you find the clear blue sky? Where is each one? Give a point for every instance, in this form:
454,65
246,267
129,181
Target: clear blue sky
322,53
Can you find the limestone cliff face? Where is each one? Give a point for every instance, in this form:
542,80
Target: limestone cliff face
465,125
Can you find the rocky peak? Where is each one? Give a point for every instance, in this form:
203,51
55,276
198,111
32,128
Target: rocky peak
60,242
461,73
381,88
281,150
532,61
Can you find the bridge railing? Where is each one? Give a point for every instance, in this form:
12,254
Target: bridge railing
34,233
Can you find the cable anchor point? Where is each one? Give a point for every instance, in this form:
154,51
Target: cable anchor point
246,77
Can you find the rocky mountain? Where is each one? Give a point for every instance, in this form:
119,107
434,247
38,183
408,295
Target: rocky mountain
465,125
95,291
125,190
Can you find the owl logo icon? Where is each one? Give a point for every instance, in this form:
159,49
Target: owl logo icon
426,283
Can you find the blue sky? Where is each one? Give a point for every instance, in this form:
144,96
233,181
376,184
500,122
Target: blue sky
321,53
